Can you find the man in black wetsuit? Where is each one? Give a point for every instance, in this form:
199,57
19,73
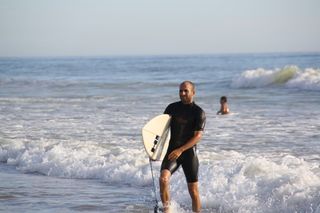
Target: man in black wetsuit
187,125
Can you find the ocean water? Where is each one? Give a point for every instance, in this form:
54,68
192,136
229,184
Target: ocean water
70,132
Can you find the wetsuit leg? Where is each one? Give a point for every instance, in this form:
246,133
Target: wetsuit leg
190,165
172,166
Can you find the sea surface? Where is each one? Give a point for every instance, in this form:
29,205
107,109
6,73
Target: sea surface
70,132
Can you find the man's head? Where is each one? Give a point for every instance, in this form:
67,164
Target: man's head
187,92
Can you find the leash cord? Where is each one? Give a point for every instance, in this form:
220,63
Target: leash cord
154,188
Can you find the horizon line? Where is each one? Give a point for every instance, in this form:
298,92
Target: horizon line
161,54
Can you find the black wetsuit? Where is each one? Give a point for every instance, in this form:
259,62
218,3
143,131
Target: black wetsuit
186,119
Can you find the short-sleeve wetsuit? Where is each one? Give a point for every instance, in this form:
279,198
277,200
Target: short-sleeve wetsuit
186,119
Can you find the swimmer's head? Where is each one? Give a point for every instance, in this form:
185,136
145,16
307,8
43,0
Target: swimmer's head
223,99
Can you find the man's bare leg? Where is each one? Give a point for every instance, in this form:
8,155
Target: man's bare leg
164,181
194,194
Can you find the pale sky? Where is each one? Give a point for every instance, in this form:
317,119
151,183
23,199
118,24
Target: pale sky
149,27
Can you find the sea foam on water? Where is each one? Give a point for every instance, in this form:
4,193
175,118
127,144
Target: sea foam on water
257,184
229,181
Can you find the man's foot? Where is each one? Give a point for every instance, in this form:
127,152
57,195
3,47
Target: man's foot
166,208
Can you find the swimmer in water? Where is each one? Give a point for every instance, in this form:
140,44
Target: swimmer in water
224,109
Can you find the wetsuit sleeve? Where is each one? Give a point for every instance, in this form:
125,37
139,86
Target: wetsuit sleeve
200,121
168,110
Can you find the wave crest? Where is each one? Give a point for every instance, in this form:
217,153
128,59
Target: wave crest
289,76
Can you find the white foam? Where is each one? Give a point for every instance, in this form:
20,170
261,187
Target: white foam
233,182
289,76
257,184
229,181
76,160
309,80
253,78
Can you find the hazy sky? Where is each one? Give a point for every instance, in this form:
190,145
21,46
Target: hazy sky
119,27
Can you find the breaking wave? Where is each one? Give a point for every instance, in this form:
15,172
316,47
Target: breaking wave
230,181
289,76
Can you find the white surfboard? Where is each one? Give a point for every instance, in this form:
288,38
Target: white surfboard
156,136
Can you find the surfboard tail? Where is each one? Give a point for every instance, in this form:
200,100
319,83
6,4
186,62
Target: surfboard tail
161,145
156,136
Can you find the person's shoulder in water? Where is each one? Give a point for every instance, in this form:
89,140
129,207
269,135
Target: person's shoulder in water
224,109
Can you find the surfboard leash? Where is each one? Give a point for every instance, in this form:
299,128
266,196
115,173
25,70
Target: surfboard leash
156,207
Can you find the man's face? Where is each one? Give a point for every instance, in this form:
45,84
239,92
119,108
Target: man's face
186,93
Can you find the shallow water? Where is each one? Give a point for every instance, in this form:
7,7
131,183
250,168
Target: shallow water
31,192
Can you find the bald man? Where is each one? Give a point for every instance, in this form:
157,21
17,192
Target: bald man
187,125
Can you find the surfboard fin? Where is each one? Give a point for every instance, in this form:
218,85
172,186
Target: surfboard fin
155,142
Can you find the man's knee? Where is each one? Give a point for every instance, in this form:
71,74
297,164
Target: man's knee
193,190
164,177
164,180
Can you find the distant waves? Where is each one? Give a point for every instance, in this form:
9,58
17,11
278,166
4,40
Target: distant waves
289,76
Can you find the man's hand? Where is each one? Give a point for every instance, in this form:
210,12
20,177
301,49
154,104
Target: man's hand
175,154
